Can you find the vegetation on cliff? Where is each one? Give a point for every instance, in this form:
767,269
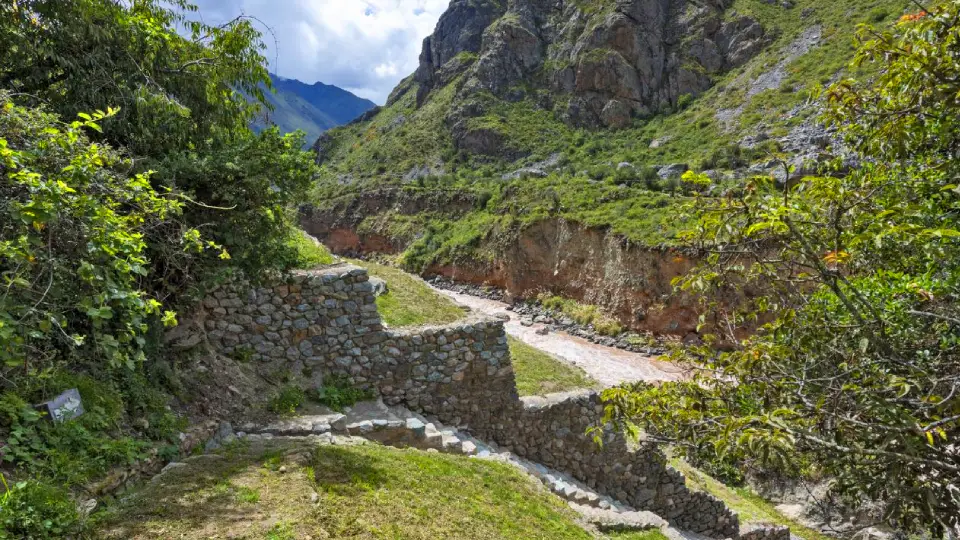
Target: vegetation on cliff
853,375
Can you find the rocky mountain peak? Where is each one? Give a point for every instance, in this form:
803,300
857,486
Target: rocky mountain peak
595,63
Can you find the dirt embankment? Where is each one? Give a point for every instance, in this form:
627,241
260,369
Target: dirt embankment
587,264
594,267
340,224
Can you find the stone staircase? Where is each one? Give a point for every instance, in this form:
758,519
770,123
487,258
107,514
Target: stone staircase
402,428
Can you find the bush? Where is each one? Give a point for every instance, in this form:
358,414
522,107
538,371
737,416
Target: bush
70,453
585,314
339,393
32,510
287,400
73,245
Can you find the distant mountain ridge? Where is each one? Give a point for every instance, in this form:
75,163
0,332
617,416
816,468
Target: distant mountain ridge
313,108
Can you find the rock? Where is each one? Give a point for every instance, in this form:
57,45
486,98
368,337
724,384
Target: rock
380,287
542,331
634,60
616,114
537,170
674,170
657,143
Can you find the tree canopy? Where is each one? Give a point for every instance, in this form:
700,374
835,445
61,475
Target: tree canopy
851,283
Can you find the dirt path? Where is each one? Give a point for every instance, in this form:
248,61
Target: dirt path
607,365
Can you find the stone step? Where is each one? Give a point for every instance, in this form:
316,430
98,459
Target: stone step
300,425
611,520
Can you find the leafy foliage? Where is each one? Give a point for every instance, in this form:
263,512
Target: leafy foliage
287,400
32,510
73,246
110,223
854,284
338,393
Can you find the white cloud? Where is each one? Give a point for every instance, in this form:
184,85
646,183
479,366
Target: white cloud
365,46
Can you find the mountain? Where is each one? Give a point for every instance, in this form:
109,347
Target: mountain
540,143
313,108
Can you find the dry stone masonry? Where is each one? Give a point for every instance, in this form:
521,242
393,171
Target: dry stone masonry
325,322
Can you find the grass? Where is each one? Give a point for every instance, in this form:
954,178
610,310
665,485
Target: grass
310,253
748,505
585,314
538,373
365,491
410,302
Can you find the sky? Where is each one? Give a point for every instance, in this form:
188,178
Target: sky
364,46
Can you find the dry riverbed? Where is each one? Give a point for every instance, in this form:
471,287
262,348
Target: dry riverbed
607,365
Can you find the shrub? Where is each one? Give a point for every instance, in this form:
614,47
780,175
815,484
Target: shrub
33,510
287,400
339,393
69,453
73,245
584,314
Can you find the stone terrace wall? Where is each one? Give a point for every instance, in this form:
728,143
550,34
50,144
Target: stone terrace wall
551,431
325,322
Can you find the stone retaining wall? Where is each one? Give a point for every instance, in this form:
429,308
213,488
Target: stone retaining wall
552,430
325,322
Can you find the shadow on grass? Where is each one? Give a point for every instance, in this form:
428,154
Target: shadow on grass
211,492
342,472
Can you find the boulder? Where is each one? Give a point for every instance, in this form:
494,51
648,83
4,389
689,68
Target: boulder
616,114
673,170
380,287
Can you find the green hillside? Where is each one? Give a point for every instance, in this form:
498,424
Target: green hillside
748,118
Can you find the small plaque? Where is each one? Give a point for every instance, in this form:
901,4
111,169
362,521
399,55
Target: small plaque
66,406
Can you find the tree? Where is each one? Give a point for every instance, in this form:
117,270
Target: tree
852,283
73,251
184,104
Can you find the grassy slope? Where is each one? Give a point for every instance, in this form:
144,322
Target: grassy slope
588,188
362,492
538,373
410,302
309,252
750,507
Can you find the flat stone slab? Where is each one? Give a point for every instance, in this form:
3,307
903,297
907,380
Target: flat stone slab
611,520
301,425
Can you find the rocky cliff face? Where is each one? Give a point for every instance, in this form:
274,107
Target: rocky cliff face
595,63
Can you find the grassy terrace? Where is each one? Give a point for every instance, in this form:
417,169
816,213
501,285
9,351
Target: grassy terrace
284,492
410,302
539,373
